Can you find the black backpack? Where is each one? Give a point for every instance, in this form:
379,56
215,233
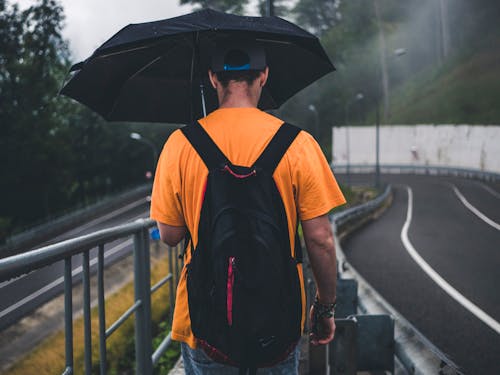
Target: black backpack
243,286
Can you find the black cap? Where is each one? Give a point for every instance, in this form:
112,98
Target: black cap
238,55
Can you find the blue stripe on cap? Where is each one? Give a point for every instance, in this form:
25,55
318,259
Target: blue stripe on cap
241,67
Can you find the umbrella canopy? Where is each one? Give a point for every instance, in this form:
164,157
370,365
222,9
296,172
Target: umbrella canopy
151,72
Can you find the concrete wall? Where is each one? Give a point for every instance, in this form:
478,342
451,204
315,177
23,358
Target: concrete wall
461,146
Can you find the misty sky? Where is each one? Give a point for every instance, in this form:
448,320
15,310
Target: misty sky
89,23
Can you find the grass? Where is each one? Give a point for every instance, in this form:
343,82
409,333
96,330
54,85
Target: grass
464,91
356,195
48,357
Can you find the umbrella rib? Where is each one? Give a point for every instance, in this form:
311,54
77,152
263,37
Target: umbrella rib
115,102
125,51
273,41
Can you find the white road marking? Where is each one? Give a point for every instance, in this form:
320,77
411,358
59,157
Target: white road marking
496,194
118,211
60,280
5,283
452,292
474,210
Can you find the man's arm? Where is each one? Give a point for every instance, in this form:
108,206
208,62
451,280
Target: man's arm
321,250
171,235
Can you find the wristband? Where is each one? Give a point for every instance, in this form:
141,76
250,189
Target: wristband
323,310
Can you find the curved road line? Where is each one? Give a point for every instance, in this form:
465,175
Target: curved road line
474,210
489,190
452,292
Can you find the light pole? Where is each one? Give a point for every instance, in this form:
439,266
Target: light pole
313,109
397,52
359,96
140,138
377,144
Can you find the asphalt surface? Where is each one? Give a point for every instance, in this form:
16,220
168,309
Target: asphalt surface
461,247
19,297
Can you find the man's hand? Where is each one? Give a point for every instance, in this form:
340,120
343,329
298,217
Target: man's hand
321,249
323,329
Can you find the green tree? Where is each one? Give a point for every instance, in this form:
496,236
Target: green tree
348,32
317,16
280,8
33,61
230,6
55,154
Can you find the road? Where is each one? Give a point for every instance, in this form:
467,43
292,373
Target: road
22,295
435,256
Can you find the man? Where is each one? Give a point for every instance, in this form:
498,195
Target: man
303,178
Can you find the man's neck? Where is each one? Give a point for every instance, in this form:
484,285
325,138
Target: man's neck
239,95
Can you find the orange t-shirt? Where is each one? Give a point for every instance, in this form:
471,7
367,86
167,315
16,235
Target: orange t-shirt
303,178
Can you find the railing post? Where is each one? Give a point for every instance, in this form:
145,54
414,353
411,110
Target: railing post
68,314
143,339
102,310
176,262
172,280
86,313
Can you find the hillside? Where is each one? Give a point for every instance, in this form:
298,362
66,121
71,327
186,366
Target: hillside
465,90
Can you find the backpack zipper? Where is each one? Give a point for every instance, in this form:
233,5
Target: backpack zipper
230,289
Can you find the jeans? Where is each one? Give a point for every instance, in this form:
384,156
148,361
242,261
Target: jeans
196,362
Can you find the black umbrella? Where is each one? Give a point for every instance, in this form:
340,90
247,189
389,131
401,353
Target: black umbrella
153,72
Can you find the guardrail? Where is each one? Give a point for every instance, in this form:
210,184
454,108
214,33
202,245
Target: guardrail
349,215
63,251
418,169
31,236
413,350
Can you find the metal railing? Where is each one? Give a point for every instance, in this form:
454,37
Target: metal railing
64,251
347,216
434,170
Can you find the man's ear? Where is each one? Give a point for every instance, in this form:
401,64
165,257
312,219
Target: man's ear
263,77
213,79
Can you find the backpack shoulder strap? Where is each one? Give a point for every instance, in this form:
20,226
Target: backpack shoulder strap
209,152
271,156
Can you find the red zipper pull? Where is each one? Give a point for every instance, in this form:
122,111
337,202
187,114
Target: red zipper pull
230,287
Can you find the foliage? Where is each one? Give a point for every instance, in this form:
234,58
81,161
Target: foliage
168,360
434,81
230,6
455,93
55,154
32,63
280,8
238,6
317,16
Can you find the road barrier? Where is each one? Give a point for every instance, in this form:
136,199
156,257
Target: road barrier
364,339
42,232
63,251
417,169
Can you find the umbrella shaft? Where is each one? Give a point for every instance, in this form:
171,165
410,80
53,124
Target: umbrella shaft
202,91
